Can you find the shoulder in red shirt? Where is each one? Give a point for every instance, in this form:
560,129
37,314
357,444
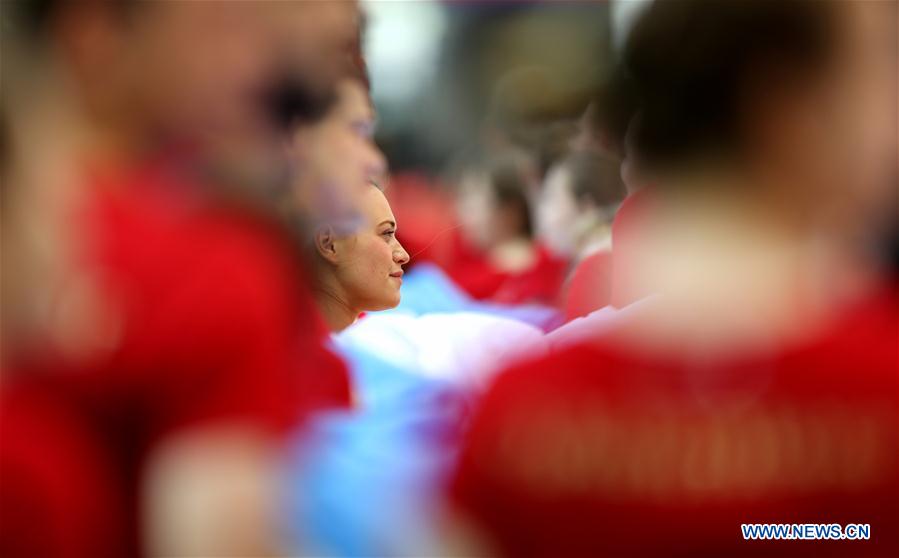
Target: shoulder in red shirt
605,450
206,319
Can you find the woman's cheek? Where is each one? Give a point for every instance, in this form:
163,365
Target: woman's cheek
376,280
377,257
388,268
386,259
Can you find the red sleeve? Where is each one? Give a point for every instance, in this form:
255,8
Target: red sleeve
208,320
502,482
217,321
540,284
590,286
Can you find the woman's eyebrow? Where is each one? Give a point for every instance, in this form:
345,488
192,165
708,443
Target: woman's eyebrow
388,222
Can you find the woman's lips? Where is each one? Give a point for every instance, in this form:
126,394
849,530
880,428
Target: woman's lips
398,275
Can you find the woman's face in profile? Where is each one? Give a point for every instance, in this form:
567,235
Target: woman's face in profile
369,263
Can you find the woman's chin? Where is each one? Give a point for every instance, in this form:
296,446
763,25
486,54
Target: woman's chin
385,304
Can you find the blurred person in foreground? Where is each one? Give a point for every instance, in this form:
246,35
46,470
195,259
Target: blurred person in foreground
158,338
759,385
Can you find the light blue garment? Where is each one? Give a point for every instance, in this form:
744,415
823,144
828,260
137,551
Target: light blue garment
427,289
364,483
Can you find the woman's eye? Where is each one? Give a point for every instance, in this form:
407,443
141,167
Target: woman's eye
388,234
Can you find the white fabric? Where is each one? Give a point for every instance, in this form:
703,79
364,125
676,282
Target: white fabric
593,325
466,347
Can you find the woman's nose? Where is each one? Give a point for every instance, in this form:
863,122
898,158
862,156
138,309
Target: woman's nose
400,255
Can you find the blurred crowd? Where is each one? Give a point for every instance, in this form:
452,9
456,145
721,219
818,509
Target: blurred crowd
619,324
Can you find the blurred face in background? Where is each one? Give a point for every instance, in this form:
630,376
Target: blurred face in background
488,221
580,196
337,158
474,204
493,202
558,212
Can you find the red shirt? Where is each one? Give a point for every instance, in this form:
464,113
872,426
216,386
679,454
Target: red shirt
429,222
212,322
589,288
603,450
541,283
631,220
59,487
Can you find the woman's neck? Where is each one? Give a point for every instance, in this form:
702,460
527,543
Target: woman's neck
337,313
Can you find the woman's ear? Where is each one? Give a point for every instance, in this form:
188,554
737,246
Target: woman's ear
325,243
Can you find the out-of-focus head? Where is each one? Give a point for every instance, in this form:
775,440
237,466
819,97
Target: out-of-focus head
365,268
337,159
194,67
319,44
797,97
494,200
580,192
92,81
